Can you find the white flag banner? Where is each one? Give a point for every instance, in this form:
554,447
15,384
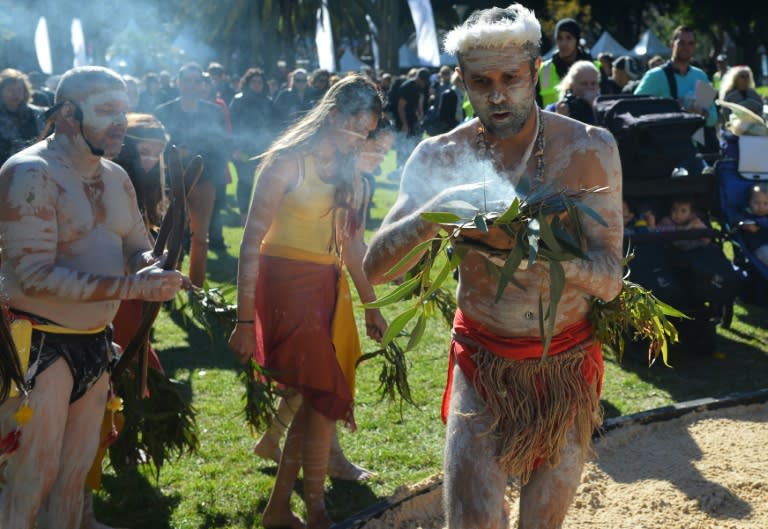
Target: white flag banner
426,35
43,47
78,43
374,42
326,54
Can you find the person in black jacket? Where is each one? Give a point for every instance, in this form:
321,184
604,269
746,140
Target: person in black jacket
253,129
197,127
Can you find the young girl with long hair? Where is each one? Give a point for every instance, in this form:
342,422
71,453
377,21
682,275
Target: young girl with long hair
294,311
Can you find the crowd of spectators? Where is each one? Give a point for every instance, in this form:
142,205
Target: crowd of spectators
231,119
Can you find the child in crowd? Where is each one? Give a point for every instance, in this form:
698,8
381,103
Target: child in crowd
682,217
642,223
754,222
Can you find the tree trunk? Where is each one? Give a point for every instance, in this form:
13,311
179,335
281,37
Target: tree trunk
388,24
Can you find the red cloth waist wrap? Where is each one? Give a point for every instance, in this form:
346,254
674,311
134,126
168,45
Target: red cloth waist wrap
516,348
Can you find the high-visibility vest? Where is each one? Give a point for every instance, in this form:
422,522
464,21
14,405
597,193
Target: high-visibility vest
469,112
548,81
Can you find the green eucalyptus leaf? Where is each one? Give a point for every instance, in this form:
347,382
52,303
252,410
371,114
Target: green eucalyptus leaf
556,287
416,250
397,325
368,356
480,223
402,290
566,240
510,214
417,332
591,212
507,275
448,266
439,217
547,235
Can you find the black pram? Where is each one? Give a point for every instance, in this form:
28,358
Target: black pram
660,165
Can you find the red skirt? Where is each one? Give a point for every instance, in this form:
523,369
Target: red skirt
518,348
295,302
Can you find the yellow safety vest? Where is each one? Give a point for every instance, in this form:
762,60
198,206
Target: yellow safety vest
548,81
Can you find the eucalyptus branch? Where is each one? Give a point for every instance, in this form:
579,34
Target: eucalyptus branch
393,378
544,226
639,315
261,396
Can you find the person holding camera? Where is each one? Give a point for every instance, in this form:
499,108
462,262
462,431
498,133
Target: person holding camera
578,91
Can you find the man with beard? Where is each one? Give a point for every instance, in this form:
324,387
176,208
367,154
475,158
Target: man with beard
74,245
510,410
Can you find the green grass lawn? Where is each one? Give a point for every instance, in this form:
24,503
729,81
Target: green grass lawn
225,485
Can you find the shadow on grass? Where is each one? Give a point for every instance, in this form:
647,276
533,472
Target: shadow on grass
213,517
345,498
740,365
222,267
609,410
134,501
204,352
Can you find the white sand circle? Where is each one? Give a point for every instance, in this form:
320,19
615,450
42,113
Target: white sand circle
703,470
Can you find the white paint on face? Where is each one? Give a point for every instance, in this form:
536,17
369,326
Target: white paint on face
500,86
102,109
104,122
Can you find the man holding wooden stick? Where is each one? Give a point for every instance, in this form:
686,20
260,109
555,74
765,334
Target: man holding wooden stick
74,245
513,406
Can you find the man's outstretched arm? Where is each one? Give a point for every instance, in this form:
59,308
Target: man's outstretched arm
402,228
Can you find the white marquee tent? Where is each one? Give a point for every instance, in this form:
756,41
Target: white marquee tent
606,43
349,62
650,45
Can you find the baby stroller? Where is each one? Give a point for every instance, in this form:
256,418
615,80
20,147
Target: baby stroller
744,164
653,135
660,165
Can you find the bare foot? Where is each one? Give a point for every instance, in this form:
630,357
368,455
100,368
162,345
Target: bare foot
339,467
282,520
268,448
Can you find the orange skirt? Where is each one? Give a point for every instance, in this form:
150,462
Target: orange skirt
295,302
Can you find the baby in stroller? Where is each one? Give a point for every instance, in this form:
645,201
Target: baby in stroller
682,217
677,259
753,222
743,178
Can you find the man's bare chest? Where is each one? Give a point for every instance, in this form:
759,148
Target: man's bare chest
89,205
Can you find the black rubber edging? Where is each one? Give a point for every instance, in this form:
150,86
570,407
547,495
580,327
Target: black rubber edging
674,411
664,413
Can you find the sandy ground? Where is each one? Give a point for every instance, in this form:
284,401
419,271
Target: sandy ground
705,470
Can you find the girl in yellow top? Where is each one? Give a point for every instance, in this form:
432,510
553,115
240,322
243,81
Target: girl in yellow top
301,227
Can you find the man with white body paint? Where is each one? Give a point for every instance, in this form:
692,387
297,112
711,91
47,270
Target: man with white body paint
538,421
73,245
